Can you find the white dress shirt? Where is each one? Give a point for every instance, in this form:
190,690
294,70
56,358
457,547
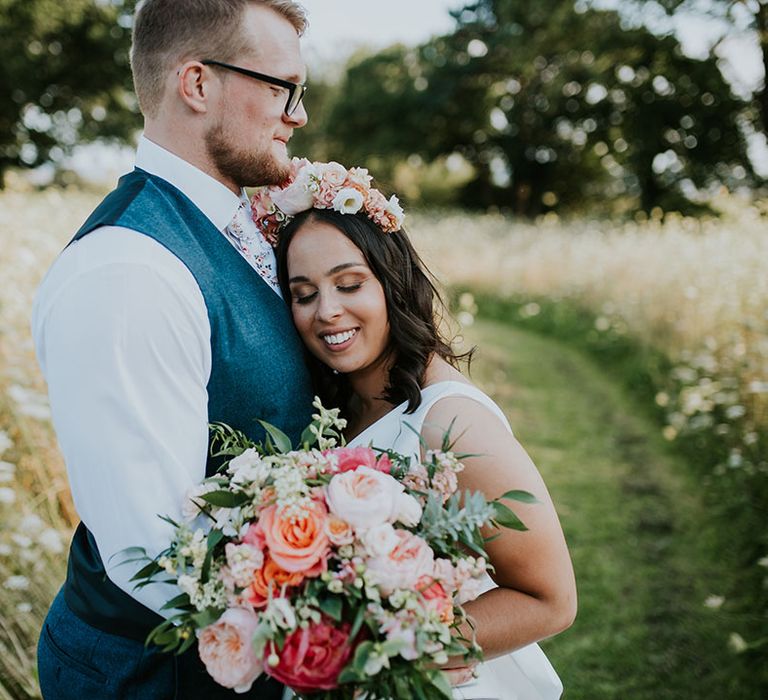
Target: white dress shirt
122,336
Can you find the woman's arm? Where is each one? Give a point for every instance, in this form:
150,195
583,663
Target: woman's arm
536,597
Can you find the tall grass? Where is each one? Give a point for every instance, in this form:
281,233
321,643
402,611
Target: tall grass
679,307
35,506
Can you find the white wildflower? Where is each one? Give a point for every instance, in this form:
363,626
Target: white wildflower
7,472
31,523
24,608
21,541
736,643
50,541
5,442
16,583
714,602
7,496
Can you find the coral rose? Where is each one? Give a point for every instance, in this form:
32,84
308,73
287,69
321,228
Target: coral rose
313,657
297,543
339,531
270,574
226,649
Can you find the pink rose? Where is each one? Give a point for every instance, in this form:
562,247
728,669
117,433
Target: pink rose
295,198
226,649
364,497
262,204
403,566
312,659
297,164
332,174
359,179
350,458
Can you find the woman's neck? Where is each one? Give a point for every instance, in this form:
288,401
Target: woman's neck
366,404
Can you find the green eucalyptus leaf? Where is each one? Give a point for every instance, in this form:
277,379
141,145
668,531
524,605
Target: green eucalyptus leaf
281,441
521,496
506,518
225,499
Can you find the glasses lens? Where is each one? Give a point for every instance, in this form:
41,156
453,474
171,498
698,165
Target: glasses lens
294,99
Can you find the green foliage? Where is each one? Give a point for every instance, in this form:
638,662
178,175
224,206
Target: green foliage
736,498
65,78
552,105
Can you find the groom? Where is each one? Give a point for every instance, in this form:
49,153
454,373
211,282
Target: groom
163,315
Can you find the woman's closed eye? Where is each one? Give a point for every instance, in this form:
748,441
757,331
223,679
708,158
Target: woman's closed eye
304,298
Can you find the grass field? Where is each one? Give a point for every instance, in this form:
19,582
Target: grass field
659,615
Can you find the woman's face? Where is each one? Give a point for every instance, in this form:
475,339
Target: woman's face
338,304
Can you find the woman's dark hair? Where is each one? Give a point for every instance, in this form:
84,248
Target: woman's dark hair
412,301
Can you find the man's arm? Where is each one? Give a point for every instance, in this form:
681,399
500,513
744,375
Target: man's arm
122,335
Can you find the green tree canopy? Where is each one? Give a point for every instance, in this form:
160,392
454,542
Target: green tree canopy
552,104
65,77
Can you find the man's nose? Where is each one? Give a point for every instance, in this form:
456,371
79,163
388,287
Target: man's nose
299,117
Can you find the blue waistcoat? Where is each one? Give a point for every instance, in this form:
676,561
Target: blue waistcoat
257,370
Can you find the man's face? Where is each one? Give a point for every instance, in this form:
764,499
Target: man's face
247,143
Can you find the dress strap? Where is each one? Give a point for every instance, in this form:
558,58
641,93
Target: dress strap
441,390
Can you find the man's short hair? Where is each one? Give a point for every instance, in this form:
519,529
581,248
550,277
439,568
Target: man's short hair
166,32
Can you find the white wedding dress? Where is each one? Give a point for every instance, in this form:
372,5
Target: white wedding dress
525,674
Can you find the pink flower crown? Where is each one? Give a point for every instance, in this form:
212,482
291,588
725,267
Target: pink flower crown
323,186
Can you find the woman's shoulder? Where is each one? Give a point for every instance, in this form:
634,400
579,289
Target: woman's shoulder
460,401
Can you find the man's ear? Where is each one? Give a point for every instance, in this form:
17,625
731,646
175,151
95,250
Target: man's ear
195,83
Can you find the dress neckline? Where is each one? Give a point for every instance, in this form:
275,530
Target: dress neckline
396,410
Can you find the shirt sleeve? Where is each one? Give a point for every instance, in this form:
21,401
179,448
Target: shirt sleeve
124,344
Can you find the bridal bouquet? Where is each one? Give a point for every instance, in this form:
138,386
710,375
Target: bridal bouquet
338,571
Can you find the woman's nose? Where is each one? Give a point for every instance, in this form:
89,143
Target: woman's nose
329,307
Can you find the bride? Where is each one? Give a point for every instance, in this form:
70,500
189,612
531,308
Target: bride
365,309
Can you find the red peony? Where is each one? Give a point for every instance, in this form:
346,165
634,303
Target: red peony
350,458
312,658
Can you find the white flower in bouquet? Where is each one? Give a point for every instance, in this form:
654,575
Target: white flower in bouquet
403,566
408,510
380,540
249,468
364,497
243,560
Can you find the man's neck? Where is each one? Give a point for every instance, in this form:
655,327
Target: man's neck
190,149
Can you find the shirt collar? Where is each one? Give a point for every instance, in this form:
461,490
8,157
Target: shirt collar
213,198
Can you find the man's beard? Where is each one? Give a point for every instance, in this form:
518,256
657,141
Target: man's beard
244,168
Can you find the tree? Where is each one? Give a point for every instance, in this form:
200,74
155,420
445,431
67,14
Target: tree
553,104
65,78
736,17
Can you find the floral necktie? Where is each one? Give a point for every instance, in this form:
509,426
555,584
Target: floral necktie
242,231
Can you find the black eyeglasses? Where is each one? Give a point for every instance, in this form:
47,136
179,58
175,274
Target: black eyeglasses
295,90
